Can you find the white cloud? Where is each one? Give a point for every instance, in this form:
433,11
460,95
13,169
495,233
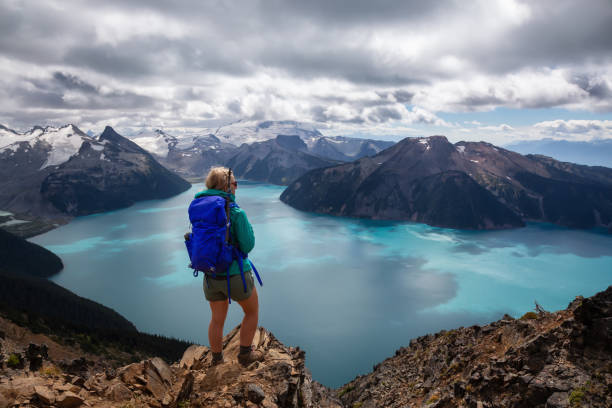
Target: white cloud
362,67
499,128
567,127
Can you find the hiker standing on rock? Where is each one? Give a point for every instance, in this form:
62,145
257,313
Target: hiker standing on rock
212,240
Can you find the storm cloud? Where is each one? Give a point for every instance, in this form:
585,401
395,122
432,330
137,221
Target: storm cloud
351,64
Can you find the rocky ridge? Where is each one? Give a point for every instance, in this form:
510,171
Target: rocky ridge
560,359
280,381
466,185
279,161
251,146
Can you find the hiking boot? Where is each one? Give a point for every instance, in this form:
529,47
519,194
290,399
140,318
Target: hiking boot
216,359
216,362
247,358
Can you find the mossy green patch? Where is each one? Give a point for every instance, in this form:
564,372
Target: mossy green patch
529,316
576,397
346,389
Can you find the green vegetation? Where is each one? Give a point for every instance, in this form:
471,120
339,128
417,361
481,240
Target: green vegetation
529,316
184,404
576,397
26,258
451,333
51,371
357,405
346,389
46,308
13,361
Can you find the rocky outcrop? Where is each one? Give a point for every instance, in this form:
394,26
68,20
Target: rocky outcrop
465,185
281,380
560,359
543,359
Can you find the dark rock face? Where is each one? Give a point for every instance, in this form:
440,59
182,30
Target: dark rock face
556,359
17,254
466,185
131,174
347,148
277,161
103,174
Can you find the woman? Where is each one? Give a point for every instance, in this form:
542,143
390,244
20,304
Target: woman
215,288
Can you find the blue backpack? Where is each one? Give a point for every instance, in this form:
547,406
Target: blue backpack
209,244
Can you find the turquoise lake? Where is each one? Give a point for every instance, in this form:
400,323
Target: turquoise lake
348,291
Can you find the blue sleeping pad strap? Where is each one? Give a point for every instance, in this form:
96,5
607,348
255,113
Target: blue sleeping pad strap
238,256
256,273
229,297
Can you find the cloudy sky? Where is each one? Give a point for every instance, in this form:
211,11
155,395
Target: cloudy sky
490,70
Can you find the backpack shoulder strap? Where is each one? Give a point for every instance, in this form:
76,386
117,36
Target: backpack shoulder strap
227,220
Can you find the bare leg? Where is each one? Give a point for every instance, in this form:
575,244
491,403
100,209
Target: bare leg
215,328
250,307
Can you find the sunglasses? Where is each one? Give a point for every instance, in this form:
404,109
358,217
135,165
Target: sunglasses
234,183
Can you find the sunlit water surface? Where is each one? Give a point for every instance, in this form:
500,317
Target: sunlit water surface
348,291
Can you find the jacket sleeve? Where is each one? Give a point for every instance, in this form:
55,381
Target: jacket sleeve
243,231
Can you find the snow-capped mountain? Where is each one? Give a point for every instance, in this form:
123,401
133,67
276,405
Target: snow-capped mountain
10,136
279,161
241,132
156,142
192,155
58,145
57,172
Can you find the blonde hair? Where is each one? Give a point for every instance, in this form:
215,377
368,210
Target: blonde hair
217,178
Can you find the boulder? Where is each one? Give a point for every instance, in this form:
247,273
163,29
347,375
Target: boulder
44,394
4,402
558,400
69,400
254,393
154,383
129,373
119,392
161,368
193,355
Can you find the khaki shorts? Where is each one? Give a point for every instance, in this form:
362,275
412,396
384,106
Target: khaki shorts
216,289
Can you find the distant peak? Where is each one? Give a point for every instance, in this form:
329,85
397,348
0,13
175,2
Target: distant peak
7,129
109,134
438,137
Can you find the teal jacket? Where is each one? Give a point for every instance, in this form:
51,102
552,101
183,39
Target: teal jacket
240,230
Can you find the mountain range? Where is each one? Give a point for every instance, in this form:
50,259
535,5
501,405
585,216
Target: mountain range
467,185
593,153
254,150
57,173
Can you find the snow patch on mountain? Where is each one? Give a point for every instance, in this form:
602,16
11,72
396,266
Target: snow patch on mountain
157,142
10,137
65,142
258,131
